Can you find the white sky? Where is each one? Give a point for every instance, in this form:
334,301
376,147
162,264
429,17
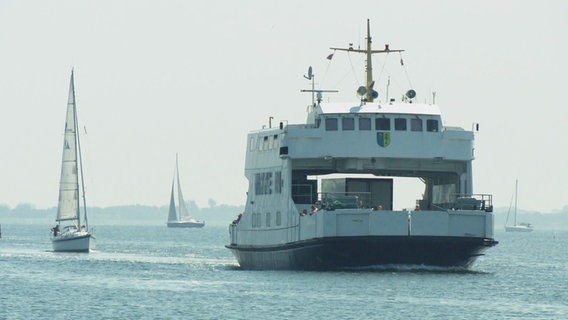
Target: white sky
156,78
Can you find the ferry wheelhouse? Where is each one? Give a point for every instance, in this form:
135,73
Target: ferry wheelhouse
320,194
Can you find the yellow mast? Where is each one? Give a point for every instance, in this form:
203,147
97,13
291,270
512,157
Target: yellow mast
369,93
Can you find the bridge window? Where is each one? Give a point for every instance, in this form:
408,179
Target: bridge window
400,124
278,218
416,124
348,124
383,124
265,143
364,123
268,218
432,125
330,124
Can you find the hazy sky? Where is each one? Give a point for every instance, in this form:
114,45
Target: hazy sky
156,78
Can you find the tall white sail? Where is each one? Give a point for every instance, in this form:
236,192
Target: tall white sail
68,207
172,216
183,213
181,217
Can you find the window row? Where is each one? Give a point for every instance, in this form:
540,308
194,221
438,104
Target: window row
264,143
257,219
381,124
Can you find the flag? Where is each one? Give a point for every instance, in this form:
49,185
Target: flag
330,57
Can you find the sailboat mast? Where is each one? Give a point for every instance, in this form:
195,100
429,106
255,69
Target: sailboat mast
74,107
516,192
79,163
178,192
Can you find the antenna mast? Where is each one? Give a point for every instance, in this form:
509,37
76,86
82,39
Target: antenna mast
368,91
311,76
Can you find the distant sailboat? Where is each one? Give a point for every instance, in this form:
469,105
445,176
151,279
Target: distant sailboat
183,220
521,227
74,235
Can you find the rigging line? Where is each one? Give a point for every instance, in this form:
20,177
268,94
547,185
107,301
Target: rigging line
342,78
405,70
353,69
382,68
510,205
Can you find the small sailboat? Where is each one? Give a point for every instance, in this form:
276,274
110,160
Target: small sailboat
71,232
521,227
183,219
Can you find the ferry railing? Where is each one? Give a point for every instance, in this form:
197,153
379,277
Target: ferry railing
481,202
344,200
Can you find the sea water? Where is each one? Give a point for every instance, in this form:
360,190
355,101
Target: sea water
152,272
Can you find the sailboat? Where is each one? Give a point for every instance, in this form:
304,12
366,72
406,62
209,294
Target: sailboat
71,232
183,219
521,227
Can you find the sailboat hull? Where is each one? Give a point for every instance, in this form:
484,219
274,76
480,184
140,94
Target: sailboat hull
73,242
364,252
518,228
521,227
186,224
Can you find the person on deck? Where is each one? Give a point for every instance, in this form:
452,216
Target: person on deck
55,230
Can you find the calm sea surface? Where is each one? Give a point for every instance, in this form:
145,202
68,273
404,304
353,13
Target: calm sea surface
152,272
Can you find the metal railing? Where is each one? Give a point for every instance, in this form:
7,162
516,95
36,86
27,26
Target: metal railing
482,202
344,200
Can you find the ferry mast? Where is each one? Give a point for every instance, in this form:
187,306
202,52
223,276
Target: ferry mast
368,92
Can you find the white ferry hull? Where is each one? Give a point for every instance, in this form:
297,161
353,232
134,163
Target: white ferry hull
364,252
339,239
186,224
76,242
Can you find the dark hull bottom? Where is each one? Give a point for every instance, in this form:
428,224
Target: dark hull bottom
356,252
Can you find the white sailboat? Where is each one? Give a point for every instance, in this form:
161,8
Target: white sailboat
183,219
71,232
521,227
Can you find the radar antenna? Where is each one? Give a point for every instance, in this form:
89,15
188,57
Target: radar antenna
312,76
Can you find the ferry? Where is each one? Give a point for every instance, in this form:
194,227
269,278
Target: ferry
320,193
